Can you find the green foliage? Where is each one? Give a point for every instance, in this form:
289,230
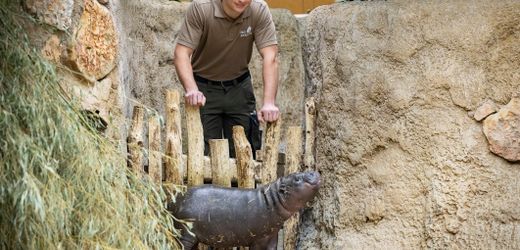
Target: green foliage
62,186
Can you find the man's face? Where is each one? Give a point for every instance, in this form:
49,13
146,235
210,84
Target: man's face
236,6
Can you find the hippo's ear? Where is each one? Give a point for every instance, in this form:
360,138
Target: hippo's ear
298,179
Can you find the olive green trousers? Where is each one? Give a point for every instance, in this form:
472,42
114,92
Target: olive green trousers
226,106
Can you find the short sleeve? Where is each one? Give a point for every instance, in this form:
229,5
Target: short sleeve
265,32
191,29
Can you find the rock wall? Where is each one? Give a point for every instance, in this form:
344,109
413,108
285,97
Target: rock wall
406,163
150,29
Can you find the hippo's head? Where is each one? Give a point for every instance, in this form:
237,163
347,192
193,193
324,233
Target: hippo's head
298,188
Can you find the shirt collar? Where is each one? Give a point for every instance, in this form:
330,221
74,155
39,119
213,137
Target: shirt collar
219,11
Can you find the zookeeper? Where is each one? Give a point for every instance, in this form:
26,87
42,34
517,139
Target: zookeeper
212,54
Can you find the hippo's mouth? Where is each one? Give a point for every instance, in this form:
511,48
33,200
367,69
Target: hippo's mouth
312,178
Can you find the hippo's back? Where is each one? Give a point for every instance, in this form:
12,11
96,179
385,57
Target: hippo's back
216,212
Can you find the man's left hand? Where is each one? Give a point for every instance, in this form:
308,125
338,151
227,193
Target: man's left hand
268,113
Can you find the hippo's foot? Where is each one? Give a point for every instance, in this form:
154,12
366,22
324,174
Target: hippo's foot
188,241
267,243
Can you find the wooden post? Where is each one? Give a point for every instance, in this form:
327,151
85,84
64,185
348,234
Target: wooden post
219,155
244,156
293,156
310,123
173,160
154,149
135,141
292,164
270,157
195,146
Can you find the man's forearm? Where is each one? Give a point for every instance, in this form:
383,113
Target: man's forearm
270,77
185,72
269,111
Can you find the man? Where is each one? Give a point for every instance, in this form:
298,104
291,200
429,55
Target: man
214,47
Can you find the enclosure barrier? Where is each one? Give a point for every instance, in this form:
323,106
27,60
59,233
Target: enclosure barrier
171,167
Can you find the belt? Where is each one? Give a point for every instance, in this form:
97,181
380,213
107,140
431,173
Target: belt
222,83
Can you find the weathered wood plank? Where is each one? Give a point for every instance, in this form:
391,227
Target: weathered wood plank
310,124
293,162
135,141
244,156
173,161
195,146
270,157
154,149
219,158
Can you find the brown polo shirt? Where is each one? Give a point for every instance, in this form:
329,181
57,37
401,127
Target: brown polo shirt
223,46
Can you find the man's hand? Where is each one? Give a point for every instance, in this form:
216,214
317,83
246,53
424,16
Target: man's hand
182,62
268,113
195,98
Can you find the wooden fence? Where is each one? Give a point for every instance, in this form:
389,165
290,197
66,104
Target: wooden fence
172,167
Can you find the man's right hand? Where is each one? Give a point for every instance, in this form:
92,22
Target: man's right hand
195,98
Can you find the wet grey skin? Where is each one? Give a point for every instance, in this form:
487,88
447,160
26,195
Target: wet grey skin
228,217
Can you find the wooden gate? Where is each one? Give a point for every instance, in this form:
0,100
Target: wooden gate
171,167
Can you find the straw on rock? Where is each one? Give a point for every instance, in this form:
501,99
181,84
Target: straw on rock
62,185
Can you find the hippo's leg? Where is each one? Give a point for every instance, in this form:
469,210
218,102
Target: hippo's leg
188,241
268,243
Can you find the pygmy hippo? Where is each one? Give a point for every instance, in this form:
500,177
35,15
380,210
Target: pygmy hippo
228,217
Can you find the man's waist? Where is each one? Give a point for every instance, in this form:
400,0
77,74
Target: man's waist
230,82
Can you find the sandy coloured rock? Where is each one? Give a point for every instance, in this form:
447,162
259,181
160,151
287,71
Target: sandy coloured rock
502,131
394,82
486,109
93,50
52,49
57,13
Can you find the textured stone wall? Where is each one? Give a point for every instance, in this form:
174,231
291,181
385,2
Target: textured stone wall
405,160
150,29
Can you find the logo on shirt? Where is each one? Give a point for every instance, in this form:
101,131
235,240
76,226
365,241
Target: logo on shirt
246,32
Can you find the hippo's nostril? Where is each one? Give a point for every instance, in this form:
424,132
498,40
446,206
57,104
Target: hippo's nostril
312,177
